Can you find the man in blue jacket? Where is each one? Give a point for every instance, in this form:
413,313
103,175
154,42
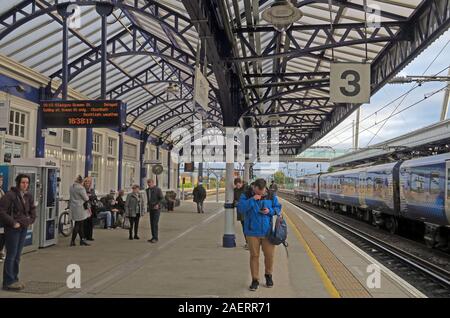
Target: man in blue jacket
259,206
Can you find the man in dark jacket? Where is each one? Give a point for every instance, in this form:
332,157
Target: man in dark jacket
154,199
199,194
17,212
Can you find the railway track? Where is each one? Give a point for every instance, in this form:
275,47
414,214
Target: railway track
431,279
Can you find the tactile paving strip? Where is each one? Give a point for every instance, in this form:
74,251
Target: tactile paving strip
34,287
343,280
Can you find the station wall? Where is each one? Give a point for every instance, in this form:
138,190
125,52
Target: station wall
68,145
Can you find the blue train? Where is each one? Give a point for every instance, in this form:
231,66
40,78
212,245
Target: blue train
415,192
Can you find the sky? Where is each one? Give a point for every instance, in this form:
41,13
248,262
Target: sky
418,116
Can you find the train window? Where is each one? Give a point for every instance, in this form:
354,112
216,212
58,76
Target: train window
448,185
434,183
418,184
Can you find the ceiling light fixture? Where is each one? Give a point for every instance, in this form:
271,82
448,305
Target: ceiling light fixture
282,14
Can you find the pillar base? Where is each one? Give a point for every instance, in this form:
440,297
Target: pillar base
229,240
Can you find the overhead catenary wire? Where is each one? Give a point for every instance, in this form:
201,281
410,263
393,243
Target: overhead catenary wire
397,113
404,98
375,113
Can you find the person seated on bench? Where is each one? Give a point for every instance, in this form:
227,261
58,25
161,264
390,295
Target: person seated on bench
103,213
109,202
170,199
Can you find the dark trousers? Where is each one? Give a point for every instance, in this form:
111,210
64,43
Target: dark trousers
242,223
78,229
154,220
14,242
200,207
2,242
134,221
88,227
170,205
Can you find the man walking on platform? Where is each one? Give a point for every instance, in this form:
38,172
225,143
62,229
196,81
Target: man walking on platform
154,199
199,194
259,206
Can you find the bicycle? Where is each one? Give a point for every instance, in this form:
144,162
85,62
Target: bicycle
65,223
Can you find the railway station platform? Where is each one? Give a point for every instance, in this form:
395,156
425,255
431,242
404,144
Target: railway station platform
189,262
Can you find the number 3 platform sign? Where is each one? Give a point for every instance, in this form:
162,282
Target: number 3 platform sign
350,83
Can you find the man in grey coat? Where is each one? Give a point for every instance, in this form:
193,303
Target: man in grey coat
154,199
79,208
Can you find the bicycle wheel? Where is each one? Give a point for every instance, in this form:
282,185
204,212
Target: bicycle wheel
65,224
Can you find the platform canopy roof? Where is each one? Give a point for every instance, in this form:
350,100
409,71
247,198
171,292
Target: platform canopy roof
258,76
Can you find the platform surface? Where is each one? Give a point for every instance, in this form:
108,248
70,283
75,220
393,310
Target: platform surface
189,261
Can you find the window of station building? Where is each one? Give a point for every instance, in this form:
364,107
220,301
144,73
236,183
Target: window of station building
130,150
67,136
95,173
17,123
434,183
97,143
111,147
12,150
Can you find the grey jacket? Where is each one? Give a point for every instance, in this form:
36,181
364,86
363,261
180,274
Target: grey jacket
78,196
134,204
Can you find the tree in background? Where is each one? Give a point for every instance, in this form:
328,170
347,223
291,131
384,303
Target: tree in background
279,177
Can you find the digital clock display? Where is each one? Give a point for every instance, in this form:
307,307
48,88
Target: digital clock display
81,113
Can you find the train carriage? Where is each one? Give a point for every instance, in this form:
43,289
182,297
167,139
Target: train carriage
425,189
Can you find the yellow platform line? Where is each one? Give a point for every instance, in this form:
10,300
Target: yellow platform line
331,289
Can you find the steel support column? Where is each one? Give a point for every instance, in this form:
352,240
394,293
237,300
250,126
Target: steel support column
157,158
143,169
229,237
120,161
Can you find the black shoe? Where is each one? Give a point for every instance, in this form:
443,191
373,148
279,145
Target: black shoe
72,243
130,238
136,237
254,286
83,243
269,281
153,240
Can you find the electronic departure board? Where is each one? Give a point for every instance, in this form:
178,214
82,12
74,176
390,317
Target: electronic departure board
81,113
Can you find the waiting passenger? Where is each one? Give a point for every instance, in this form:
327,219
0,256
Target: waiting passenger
134,209
199,195
154,199
2,229
273,187
17,213
109,204
259,206
88,224
79,209
170,199
238,190
120,206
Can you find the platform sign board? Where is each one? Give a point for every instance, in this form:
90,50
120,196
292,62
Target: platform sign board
82,113
350,83
201,89
4,115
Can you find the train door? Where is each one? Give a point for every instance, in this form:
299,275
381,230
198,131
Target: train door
447,190
362,189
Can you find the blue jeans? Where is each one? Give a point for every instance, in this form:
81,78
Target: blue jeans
103,215
14,241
